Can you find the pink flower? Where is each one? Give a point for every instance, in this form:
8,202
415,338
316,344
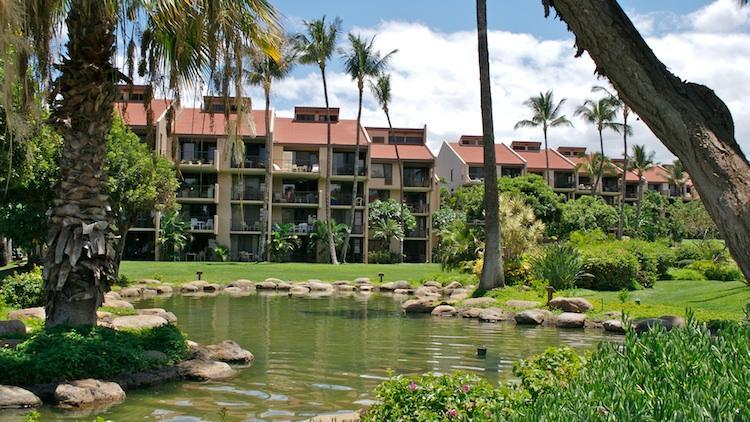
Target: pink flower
465,388
412,386
453,413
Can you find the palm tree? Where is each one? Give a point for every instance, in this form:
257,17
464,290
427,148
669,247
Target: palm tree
546,113
641,161
386,230
627,130
381,90
316,46
677,176
266,69
601,114
173,234
596,166
361,62
181,39
492,269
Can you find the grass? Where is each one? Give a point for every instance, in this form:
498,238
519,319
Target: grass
708,299
225,272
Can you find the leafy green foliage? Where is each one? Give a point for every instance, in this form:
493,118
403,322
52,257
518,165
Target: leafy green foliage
173,234
586,213
380,212
610,266
559,265
654,258
283,241
692,250
685,274
319,237
221,252
712,270
548,371
383,257
97,352
23,290
690,220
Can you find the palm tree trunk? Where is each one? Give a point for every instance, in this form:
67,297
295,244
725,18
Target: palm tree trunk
687,117
264,232
621,222
638,206
345,247
600,172
329,172
546,159
492,270
79,264
400,192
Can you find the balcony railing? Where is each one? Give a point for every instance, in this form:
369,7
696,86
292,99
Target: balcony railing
345,199
246,226
200,157
611,187
417,232
198,191
202,223
564,184
296,197
302,227
144,222
631,194
299,166
417,182
248,194
418,208
348,170
250,162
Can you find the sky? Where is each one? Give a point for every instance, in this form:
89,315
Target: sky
435,72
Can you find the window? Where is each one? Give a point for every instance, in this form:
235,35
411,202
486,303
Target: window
382,171
476,173
451,175
378,139
305,117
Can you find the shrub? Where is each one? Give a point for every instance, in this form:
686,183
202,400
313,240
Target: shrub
586,213
383,257
560,266
686,274
686,374
717,271
517,271
655,259
609,267
57,355
23,290
696,250
548,371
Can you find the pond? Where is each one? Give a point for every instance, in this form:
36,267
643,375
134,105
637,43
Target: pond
323,355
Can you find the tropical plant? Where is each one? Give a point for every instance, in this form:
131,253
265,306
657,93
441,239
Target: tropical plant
221,252
319,235
23,290
596,166
677,177
265,70
601,114
316,47
283,241
559,265
173,234
546,114
522,232
492,270
642,161
181,39
361,62
379,212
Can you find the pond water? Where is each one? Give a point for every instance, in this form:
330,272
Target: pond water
323,355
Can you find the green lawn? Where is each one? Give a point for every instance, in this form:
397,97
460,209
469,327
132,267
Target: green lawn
225,272
708,299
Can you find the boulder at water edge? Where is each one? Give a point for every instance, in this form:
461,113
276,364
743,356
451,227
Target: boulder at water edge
88,392
362,280
494,315
189,288
130,292
114,303
522,304
226,351
12,327
457,294
614,326
37,313
201,370
478,302
428,291
138,322
319,286
242,284
283,286
444,311
532,317
418,306
570,320
667,322
432,283
169,316
266,285
471,312
17,398
393,285
571,304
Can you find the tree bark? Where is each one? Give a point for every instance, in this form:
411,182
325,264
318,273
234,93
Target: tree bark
329,172
265,239
400,192
691,121
345,247
79,263
600,172
5,253
492,270
621,221
546,157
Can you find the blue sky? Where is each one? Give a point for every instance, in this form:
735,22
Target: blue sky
435,71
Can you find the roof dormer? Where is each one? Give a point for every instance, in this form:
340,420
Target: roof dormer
471,140
218,104
526,146
572,151
133,93
304,114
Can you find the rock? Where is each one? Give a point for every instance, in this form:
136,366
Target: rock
299,290
88,392
668,322
226,351
12,327
319,286
570,320
164,289
471,312
571,304
432,283
453,285
444,311
201,370
104,315
403,292
525,288
342,283
418,306
532,317
362,280
345,287
155,355
147,293
169,316
522,304
189,288
233,290
200,284
37,313
149,377
242,284
130,292
479,302
138,322
211,287
458,294
393,285
10,343
150,281
117,304
266,285
17,398
365,288
494,315
283,286
427,292
112,295
614,326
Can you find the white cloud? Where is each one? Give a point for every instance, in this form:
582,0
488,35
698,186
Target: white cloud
721,16
435,82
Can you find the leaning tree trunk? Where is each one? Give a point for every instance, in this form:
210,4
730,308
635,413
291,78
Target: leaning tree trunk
329,172
621,221
688,118
79,266
400,192
492,270
345,247
265,235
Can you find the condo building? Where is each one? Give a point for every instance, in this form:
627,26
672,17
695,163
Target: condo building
221,166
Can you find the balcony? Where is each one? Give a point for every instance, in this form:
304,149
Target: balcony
416,181
206,158
338,198
250,162
247,194
418,208
419,232
298,166
296,197
198,192
564,181
611,187
348,170
144,222
203,224
246,226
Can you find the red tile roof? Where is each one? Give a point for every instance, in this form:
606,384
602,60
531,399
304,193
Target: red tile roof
656,174
134,113
289,131
474,154
193,121
536,161
405,152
